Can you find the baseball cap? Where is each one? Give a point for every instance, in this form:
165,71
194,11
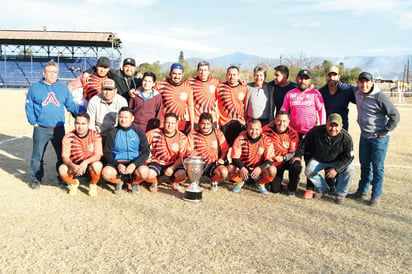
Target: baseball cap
129,61
333,69
335,118
108,84
365,75
103,62
177,66
304,72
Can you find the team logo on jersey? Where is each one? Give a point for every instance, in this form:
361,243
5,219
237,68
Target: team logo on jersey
241,96
51,99
90,147
214,144
212,89
183,96
260,150
174,147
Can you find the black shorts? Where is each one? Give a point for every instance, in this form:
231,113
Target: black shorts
210,169
232,130
159,169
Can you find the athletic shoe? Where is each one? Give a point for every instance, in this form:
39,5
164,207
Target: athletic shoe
374,201
318,195
291,193
332,191
73,188
92,190
308,194
357,196
213,186
175,186
135,189
262,189
238,187
153,187
118,189
35,184
339,199
284,187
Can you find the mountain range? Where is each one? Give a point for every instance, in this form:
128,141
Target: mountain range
386,67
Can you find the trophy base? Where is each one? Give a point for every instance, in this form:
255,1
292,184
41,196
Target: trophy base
193,196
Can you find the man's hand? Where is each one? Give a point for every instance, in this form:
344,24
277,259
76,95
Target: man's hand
331,173
169,171
294,159
279,159
132,93
256,173
122,169
130,168
221,162
244,173
85,77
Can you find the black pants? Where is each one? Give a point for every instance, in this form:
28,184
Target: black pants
294,173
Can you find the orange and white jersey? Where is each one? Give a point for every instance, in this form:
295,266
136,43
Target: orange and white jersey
231,103
81,148
208,145
252,154
167,150
204,96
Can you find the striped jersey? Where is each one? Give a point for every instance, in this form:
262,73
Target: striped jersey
208,144
231,103
167,150
93,86
252,154
80,148
204,96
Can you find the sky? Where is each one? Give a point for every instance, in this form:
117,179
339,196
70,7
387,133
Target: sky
157,30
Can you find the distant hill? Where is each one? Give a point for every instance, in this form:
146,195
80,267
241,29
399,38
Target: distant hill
381,66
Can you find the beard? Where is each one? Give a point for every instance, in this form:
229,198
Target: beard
333,83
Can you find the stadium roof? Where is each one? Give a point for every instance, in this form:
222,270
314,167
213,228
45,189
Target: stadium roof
59,38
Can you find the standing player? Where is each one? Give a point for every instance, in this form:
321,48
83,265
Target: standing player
81,153
177,98
168,146
252,155
231,97
204,93
211,144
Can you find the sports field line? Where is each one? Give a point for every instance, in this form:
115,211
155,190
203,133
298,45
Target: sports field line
30,136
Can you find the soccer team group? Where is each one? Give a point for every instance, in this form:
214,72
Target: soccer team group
130,129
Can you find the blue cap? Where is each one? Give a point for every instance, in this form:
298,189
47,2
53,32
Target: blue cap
177,66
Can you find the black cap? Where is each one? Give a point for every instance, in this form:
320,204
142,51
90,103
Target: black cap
304,72
103,62
365,75
129,61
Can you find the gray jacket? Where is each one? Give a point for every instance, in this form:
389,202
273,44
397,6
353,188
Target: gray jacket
376,113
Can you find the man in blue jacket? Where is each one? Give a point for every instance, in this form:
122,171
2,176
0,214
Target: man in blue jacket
125,152
377,116
46,101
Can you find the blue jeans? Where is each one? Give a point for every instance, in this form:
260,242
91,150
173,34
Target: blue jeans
41,138
343,179
372,154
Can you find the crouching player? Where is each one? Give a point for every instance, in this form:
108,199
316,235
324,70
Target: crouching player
125,153
81,153
169,147
211,144
252,158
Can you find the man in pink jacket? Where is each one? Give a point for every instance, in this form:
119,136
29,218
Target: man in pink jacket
306,109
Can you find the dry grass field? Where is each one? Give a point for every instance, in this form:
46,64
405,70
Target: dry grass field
48,231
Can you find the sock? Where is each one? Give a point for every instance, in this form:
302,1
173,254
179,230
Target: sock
216,178
95,178
137,181
265,179
236,178
152,180
114,180
69,179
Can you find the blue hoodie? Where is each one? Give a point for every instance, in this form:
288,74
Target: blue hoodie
45,104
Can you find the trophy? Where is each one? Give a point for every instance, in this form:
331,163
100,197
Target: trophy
194,167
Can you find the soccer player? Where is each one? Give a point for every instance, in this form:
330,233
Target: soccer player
177,98
252,158
125,153
231,97
81,153
204,93
169,147
211,144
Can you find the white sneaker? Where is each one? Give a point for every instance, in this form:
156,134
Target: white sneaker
213,186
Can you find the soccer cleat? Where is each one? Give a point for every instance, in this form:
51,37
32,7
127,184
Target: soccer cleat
73,188
339,199
262,189
308,194
135,189
291,193
118,189
213,186
238,187
374,201
357,196
92,190
153,187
